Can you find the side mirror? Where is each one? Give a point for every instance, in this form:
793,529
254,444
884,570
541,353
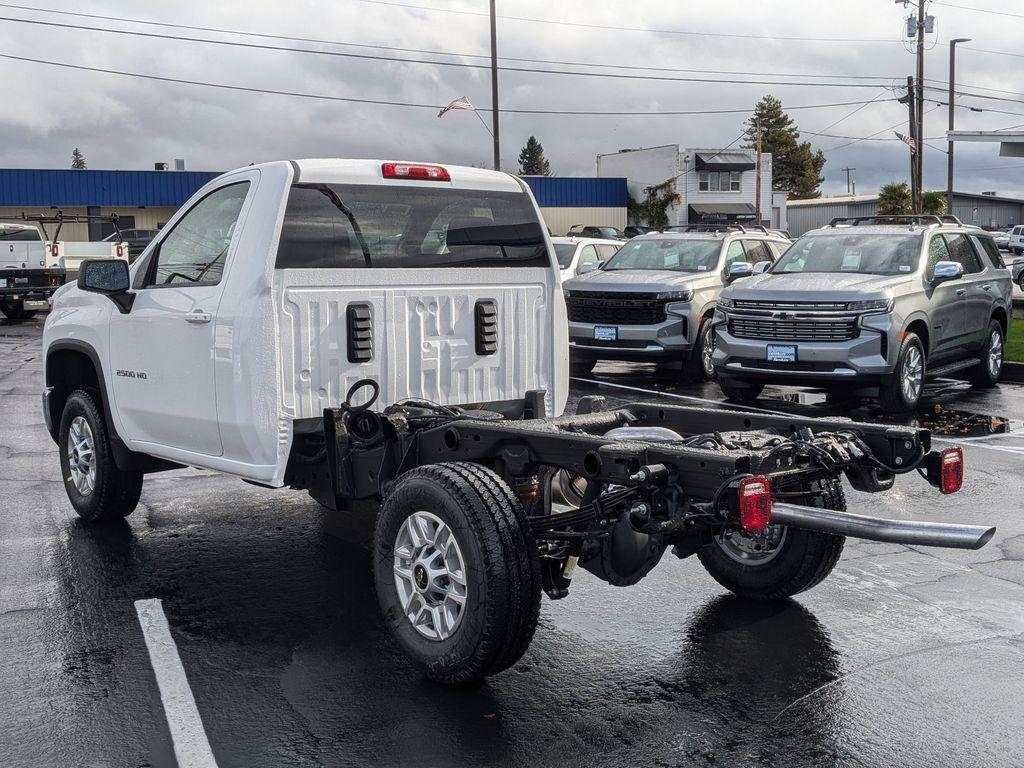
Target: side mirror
588,266
947,270
109,277
761,267
739,269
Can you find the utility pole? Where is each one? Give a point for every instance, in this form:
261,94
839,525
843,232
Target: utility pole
949,144
848,170
494,88
915,153
757,175
920,103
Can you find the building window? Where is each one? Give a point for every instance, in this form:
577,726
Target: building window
715,181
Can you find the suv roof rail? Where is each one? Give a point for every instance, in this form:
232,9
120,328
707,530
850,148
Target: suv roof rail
707,227
901,218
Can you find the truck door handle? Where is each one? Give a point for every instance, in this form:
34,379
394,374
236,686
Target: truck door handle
961,291
198,316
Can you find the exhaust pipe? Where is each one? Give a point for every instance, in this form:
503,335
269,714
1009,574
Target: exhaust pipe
952,535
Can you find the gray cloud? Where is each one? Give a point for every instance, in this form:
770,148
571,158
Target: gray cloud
127,123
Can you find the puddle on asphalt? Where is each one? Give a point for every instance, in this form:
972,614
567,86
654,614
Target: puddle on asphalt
949,422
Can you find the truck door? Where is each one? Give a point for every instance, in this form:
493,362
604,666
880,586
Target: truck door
161,352
978,286
945,301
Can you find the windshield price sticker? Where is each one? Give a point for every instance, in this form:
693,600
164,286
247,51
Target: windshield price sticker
851,260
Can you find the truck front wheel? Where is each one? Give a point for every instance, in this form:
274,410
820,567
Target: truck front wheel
456,570
98,490
780,562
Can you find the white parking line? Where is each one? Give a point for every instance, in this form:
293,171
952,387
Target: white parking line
191,747
963,441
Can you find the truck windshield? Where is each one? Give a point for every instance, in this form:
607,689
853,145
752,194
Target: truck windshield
675,254
358,226
871,254
563,254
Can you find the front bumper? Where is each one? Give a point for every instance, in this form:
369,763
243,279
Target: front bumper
865,359
667,340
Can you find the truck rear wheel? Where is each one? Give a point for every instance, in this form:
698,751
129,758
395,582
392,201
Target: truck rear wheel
780,562
456,569
98,490
15,310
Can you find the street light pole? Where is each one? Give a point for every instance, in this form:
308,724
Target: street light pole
494,89
952,95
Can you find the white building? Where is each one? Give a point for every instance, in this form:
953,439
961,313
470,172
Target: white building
714,185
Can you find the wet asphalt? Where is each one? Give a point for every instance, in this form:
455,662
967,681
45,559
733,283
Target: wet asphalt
904,656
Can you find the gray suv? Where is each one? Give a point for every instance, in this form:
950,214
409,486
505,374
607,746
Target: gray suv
654,299
862,304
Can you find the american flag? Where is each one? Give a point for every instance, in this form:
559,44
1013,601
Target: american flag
460,103
908,140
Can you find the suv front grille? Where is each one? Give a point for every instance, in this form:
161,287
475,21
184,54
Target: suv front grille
771,329
615,308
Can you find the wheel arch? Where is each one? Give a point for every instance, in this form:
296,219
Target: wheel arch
919,326
1000,316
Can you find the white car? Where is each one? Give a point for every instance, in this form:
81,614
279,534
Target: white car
1016,244
575,253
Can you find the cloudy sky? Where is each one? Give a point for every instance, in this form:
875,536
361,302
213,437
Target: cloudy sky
126,122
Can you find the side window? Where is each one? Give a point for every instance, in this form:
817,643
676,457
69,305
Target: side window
937,251
777,248
703,181
734,253
587,255
987,246
960,250
193,253
757,251
606,251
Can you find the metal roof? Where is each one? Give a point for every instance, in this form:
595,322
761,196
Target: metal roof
578,192
65,187
839,199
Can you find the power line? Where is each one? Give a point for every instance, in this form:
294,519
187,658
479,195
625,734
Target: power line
375,57
329,97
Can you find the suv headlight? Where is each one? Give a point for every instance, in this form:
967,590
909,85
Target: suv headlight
872,306
724,303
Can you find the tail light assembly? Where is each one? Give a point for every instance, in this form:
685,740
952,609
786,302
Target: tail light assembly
755,504
945,469
415,172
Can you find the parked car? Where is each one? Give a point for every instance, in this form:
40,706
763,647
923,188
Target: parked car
653,300
136,239
599,233
865,304
1016,244
576,255
1017,271
1002,238
635,229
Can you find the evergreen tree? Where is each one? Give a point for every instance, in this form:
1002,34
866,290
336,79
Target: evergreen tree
895,199
532,161
78,160
796,166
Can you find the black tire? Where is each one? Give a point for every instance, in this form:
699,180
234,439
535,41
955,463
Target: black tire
990,357
742,392
14,311
581,366
803,559
503,586
694,369
1020,282
841,397
113,494
891,394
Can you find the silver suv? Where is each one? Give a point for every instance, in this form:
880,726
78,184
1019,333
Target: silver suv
654,299
863,304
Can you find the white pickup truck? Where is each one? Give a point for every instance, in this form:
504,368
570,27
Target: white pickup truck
395,332
32,267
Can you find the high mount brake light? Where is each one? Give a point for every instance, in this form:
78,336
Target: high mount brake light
951,470
755,499
415,171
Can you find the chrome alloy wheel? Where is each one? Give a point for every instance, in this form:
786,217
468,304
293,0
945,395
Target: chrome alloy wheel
751,548
82,456
706,352
430,575
995,353
912,374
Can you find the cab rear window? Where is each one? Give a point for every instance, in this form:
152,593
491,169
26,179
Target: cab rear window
346,226
19,235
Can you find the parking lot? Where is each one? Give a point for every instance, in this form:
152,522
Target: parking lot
905,655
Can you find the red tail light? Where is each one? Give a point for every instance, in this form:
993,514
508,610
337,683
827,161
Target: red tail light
415,171
951,470
54,250
755,497
120,251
